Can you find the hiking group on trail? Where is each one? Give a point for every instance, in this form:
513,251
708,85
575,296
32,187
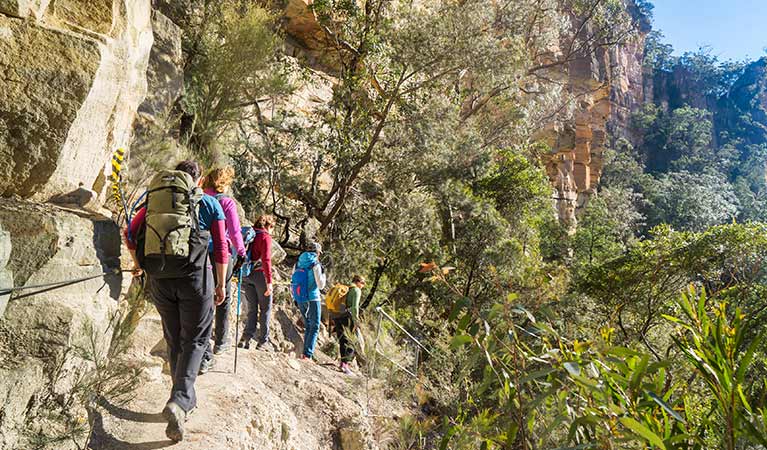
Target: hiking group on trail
187,238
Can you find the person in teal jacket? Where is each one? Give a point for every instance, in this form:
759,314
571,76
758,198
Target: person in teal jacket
310,305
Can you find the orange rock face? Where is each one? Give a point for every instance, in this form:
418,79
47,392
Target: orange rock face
606,86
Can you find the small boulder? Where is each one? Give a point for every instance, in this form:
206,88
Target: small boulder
294,364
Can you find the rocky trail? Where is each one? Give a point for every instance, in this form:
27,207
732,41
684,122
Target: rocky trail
274,401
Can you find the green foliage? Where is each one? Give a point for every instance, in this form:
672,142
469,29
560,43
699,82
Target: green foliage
387,236
528,386
517,187
633,290
608,226
232,64
426,94
679,140
707,74
713,341
658,55
691,201
691,189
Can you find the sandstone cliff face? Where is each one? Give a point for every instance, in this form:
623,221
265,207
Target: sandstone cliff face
44,244
607,86
74,75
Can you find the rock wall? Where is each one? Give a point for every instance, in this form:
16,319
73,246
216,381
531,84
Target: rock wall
6,275
607,86
306,40
744,108
74,77
44,244
74,74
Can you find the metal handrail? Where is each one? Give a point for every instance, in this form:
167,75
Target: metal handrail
380,310
383,314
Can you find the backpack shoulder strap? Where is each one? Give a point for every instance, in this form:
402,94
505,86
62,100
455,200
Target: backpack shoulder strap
195,201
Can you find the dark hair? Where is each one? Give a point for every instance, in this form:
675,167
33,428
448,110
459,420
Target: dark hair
358,279
191,167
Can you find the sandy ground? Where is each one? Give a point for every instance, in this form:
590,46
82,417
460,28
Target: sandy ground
274,401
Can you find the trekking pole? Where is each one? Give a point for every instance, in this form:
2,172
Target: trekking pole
237,326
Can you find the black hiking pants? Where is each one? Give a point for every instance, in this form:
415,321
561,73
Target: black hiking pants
343,325
186,308
221,329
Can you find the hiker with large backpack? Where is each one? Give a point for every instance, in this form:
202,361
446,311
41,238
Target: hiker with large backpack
168,240
307,281
215,184
257,286
343,305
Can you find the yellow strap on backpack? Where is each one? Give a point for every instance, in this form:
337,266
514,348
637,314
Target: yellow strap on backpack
335,301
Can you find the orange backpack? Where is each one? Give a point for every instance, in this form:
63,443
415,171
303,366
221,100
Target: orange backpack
335,301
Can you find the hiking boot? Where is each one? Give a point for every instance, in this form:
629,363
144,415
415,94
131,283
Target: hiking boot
304,358
346,369
176,417
244,343
221,348
205,366
265,346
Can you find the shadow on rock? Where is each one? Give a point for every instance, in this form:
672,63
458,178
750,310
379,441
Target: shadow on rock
101,440
290,332
126,414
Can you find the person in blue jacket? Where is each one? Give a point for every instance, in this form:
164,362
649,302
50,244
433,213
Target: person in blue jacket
307,281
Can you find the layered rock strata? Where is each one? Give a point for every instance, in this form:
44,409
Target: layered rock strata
606,87
44,244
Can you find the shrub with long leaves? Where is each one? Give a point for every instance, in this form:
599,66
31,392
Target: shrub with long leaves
714,343
526,386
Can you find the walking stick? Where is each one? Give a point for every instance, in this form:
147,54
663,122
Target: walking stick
237,326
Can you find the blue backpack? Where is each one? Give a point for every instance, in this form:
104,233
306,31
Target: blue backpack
299,284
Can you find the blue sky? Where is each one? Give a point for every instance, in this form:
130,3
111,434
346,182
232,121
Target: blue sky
735,29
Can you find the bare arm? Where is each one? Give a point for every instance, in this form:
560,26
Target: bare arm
221,285
221,258
136,270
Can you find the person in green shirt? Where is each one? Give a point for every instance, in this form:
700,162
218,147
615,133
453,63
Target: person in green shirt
347,321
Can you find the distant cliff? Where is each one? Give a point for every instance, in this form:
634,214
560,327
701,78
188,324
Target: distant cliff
608,84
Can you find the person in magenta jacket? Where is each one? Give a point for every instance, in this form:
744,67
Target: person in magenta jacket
215,184
257,287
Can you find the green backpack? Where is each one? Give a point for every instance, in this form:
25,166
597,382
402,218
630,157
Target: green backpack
172,245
